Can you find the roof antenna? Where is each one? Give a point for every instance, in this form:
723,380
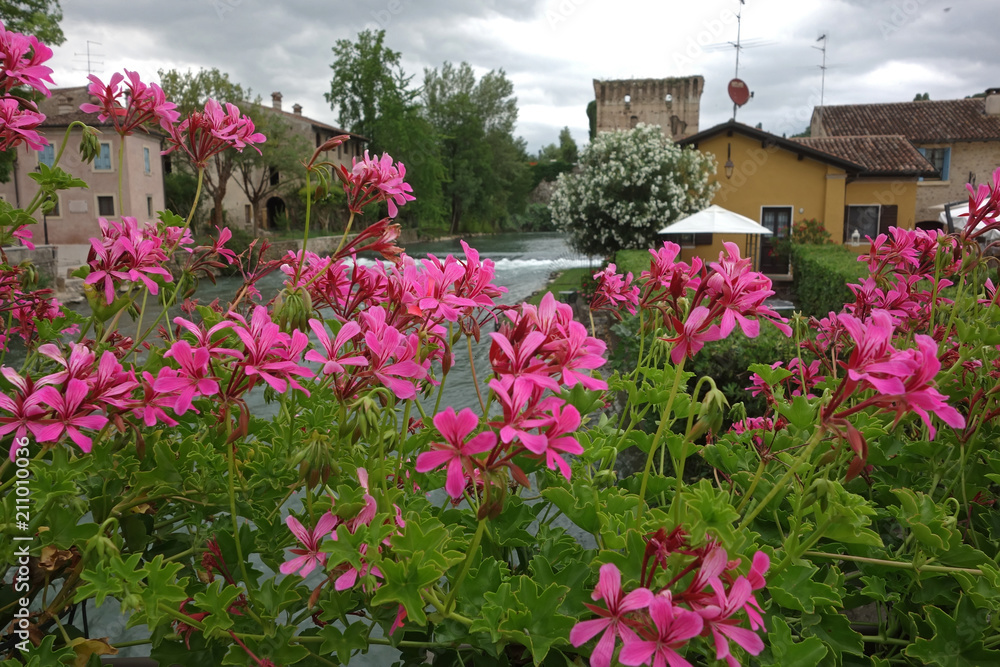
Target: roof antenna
822,84
91,63
739,27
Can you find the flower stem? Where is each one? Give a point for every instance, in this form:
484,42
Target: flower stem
780,486
470,554
475,381
678,373
347,230
903,565
231,456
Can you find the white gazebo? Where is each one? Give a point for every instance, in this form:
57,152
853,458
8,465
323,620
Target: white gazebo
718,220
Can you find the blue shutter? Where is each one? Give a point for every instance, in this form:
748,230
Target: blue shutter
946,163
145,157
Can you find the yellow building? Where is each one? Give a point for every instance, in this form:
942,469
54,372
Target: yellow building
855,186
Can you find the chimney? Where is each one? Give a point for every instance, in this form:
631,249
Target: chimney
297,108
993,101
276,100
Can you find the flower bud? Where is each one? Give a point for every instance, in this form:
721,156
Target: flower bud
90,146
293,308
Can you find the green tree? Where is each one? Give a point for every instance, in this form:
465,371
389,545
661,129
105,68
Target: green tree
277,167
592,118
372,95
34,17
631,184
486,165
189,91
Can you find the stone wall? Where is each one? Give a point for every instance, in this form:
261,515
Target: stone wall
979,158
674,104
44,257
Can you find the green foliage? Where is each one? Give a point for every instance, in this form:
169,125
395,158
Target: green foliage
34,17
727,362
592,118
820,277
534,218
486,166
565,151
632,261
630,185
179,187
372,95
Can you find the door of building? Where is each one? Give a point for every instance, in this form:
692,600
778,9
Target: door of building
773,257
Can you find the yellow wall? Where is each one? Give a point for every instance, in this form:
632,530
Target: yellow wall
763,177
774,176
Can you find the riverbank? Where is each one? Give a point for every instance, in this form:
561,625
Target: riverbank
568,280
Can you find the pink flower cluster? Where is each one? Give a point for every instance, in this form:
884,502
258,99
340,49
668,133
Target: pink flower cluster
310,557
203,134
69,402
391,318
614,290
699,304
21,58
704,598
127,253
540,350
132,106
374,179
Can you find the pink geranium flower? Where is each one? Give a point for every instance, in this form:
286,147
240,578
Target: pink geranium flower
204,134
692,334
308,558
456,452
674,626
193,378
72,413
375,179
335,354
129,107
612,621
17,125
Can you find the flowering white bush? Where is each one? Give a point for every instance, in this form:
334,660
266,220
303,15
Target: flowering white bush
632,184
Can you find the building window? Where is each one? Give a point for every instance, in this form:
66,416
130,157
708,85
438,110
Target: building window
105,205
149,205
103,161
47,155
863,220
247,213
940,159
319,140
274,176
145,159
690,240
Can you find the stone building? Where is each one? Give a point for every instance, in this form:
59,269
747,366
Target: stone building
239,210
961,138
674,104
74,220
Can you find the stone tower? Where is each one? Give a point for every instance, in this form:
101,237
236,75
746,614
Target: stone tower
673,104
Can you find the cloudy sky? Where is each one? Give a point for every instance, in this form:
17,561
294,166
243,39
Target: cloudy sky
878,50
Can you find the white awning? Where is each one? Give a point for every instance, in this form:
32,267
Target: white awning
959,216
716,220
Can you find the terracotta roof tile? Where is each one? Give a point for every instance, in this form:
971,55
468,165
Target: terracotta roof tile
880,155
922,122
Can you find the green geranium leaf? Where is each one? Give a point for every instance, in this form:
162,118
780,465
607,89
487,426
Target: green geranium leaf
797,587
344,642
785,651
835,631
216,600
403,583
536,622
956,641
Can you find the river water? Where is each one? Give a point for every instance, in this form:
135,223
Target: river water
524,264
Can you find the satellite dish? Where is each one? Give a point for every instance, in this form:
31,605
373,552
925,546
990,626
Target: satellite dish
739,93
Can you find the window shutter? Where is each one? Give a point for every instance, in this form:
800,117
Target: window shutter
847,220
946,163
922,151
887,218
703,239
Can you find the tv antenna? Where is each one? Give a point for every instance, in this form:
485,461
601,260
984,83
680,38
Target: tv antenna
90,61
822,80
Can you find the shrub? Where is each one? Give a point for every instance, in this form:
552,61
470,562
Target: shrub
821,274
631,183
